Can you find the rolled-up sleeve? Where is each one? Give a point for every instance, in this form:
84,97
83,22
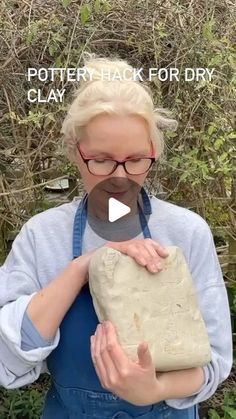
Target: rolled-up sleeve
30,336
18,284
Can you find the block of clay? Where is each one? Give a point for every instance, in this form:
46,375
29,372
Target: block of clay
160,308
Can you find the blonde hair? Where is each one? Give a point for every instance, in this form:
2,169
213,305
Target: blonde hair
125,96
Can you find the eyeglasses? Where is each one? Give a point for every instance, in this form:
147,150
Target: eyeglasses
105,167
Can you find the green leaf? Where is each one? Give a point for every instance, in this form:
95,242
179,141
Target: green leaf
97,6
49,118
51,49
211,129
218,143
130,40
106,6
213,414
171,134
231,61
58,62
29,38
85,13
230,411
212,106
18,403
183,176
216,59
162,33
66,3
223,156
207,30
175,161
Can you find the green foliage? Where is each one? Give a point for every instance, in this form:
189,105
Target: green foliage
33,118
43,205
66,3
69,168
228,408
85,13
21,404
207,32
232,298
95,6
52,27
32,32
101,6
211,154
216,213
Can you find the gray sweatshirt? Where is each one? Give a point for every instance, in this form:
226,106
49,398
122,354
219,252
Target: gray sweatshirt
43,248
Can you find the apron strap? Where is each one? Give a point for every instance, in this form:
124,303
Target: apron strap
79,226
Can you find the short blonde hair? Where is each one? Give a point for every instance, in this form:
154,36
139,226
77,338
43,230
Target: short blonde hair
98,95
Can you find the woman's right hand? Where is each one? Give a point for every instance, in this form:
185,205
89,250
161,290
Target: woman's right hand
146,252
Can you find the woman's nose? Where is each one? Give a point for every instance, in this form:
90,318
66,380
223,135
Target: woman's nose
120,172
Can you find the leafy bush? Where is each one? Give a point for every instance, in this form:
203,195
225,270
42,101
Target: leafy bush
228,410
22,404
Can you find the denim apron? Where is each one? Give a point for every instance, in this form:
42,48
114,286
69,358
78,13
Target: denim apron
76,392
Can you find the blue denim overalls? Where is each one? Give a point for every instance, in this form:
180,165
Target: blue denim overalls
76,392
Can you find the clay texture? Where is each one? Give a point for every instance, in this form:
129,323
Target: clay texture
160,308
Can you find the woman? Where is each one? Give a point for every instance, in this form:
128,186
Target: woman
47,320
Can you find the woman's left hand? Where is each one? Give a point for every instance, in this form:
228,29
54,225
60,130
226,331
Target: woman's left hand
135,382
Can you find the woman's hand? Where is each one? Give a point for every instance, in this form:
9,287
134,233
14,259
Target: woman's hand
135,382
146,252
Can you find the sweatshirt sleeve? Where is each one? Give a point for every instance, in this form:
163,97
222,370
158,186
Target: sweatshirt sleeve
214,306
30,336
18,284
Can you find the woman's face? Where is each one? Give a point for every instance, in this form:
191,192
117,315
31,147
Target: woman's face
114,137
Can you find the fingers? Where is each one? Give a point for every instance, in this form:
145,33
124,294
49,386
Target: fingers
110,361
96,356
92,343
116,353
161,250
146,252
144,355
154,260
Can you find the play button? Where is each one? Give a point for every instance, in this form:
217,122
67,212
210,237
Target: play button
116,210
113,209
